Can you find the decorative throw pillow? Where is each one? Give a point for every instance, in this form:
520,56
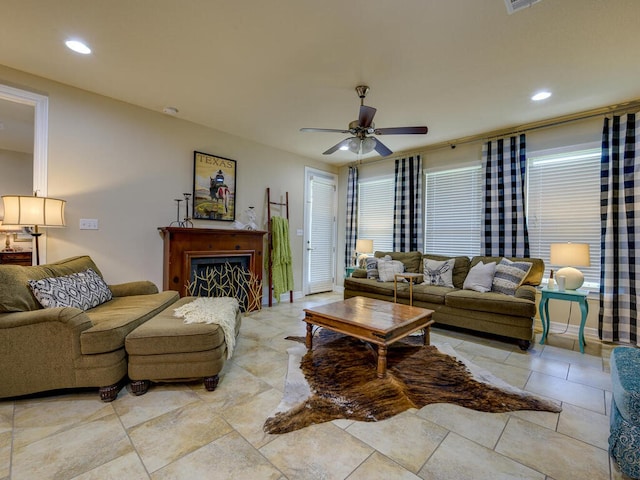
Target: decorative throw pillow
82,290
388,268
480,277
439,273
372,267
509,276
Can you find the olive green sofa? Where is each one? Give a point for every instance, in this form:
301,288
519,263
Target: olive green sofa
45,349
490,312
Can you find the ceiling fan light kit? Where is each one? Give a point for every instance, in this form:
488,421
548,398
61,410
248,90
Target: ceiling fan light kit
360,143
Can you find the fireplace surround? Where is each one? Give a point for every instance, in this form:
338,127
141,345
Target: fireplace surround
186,249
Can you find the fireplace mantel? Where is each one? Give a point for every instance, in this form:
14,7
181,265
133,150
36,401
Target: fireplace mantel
182,244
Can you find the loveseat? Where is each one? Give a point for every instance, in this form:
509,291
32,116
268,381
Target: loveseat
506,315
54,348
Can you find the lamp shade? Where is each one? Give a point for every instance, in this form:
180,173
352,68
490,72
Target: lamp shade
570,254
364,246
33,211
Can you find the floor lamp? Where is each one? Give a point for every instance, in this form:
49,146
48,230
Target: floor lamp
33,212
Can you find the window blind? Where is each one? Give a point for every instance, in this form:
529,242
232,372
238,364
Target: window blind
375,212
563,205
453,211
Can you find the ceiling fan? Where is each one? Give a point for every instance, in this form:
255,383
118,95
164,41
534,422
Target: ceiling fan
360,142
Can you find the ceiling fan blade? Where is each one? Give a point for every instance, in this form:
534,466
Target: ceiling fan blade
381,148
366,116
329,130
401,130
337,146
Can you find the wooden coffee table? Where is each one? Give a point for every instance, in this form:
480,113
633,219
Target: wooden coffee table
375,321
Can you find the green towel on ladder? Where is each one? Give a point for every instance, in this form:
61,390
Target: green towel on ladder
281,261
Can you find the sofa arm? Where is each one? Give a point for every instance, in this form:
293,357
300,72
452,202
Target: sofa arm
359,273
40,349
142,287
72,318
526,292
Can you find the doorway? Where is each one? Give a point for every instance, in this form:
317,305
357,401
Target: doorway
319,267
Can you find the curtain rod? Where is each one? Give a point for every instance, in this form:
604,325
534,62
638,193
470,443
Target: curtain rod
620,108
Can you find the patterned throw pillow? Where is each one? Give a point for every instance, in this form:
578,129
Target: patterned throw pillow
509,276
82,290
439,273
372,267
387,269
480,277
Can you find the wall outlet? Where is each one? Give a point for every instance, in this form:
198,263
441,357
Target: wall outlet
88,224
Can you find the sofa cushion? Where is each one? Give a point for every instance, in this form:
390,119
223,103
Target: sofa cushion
387,269
439,272
423,292
112,321
412,261
15,294
509,276
371,265
460,269
480,277
535,274
83,290
491,302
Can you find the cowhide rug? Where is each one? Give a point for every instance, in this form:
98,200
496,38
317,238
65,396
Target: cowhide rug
337,379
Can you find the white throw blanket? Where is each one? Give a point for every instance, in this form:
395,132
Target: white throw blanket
219,310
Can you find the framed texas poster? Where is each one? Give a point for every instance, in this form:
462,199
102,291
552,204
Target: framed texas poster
214,187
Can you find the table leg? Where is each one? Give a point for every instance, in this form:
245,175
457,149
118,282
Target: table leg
411,292
382,361
426,333
308,341
395,289
584,308
544,318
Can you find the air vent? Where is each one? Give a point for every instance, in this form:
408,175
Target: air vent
515,5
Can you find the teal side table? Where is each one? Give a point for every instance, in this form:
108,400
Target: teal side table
348,271
579,296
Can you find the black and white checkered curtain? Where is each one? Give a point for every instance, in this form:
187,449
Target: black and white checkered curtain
352,215
407,210
619,206
505,226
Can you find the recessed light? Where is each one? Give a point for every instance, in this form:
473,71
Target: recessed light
78,46
541,96
170,110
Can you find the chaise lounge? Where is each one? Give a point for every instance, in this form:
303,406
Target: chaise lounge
45,349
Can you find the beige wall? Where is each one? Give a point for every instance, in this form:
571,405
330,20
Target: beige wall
124,165
17,174
575,133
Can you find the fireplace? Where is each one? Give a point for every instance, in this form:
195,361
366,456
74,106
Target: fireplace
197,249
222,274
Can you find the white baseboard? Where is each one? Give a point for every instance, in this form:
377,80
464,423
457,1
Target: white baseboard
556,327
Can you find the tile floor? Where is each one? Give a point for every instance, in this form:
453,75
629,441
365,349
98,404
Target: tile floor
181,431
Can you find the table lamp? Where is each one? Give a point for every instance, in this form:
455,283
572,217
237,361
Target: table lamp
570,255
363,248
33,212
8,230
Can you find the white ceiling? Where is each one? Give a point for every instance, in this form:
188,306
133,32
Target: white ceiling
263,69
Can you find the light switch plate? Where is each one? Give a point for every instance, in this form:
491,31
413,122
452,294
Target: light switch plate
88,224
